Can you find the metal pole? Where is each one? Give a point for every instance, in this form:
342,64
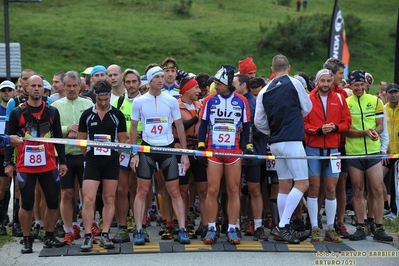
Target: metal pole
7,40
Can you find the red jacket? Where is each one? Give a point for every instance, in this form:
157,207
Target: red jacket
337,112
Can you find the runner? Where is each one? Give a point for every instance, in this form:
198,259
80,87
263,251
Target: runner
104,123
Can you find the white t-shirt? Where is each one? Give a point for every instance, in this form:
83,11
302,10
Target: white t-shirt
157,114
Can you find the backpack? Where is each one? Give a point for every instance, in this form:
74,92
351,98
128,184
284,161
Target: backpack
46,114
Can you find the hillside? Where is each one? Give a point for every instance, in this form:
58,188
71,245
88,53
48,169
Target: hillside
70,34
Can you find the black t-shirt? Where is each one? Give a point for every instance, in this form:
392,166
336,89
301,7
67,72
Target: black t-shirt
112,124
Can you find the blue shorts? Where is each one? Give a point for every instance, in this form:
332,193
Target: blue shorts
320,167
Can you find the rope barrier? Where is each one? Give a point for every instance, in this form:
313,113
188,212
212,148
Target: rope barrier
197,153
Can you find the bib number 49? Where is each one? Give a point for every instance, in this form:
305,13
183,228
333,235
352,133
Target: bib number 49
157,129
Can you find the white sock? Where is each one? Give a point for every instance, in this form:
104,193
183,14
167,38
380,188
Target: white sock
258,223
292,201
232,226
312,211
39,222
331,207
68,229
281,200
210,225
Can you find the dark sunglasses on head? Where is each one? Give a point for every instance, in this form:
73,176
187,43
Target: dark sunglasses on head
6,90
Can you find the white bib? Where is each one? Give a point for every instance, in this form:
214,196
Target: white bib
34,155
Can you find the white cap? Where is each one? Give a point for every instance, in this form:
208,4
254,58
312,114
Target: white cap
86,72
7,84
46,85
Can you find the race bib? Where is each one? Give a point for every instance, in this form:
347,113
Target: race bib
99,150
335,163
181,170
2,124
156,126
34,155
271,165
124,158
224,136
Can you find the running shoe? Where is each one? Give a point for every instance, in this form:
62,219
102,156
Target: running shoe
298,225
68,239
162,229
52,242
17,230
199,229
95,230
130,224
332,236
76,231
27,242
191,233
59,229
3,230
105,242
182,236
210,236
169,233
250,229
259,234
341,230
285,233
139,237
121,236
87,244
381,235
316,236
243,226
268,221
359,234
146,235
191,217
232,236
35,230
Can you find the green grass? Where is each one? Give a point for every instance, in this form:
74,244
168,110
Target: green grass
7,238
71,34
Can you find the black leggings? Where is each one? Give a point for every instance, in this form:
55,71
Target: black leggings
50,183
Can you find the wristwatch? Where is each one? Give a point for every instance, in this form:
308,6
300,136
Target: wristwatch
6,163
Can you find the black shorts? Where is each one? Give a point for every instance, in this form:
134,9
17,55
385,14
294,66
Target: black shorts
198,170
50,183
75,169
252,173
102,167
363,164
167,163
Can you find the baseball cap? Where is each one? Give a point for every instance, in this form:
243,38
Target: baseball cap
46,85
7,84
86,72
392,87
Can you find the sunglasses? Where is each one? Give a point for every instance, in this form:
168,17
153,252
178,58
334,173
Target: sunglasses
6,90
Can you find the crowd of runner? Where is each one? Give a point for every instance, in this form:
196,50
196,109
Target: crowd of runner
306,122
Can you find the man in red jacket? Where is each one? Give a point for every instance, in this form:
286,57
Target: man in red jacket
329,117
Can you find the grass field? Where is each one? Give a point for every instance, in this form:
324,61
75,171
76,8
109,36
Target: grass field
74,34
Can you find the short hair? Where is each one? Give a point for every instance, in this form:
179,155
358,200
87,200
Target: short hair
130,71
257,82
333,64
71,75
60,74
280,63
169,60
202,79
28,70
149,66
102,86
242,78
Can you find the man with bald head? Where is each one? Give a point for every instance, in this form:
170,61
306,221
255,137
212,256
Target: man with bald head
115,77
36,161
